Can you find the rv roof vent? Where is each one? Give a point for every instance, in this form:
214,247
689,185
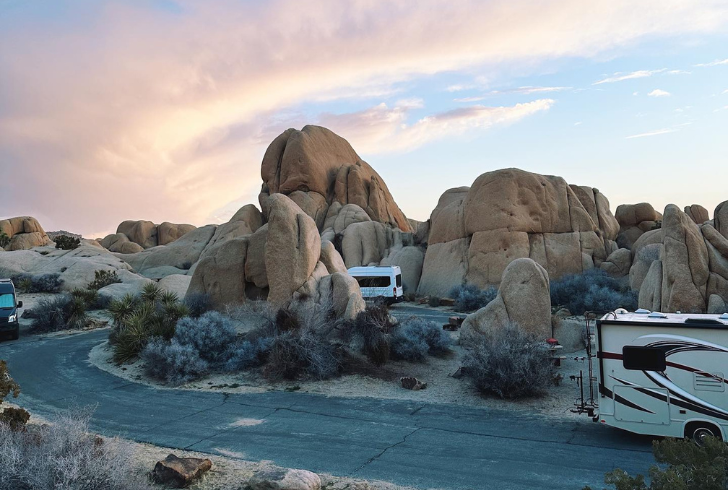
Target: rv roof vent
621,311
642,311
703,321
656,314
724,316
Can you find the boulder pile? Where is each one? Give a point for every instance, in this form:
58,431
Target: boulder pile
24,233
136,235
476,232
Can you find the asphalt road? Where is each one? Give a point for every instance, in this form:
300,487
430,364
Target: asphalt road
409,443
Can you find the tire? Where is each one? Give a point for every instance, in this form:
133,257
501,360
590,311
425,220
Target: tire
698,431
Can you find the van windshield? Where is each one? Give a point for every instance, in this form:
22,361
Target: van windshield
7,300
373,281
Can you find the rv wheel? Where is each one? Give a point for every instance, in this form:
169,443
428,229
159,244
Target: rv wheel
698,432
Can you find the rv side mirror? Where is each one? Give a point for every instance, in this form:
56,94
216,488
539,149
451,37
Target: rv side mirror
20,304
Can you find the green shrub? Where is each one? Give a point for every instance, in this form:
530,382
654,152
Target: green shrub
15,418
59,313
38,283
509,363
92,299
67,242
103,278
593,290
470,298
4,239
138,319
684,465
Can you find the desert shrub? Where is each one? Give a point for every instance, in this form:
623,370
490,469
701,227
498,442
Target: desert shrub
64,455
414,339
172,362
434,301
410,297
509,363
593,290
248,354
151,293
66,242
137,319
684,465
301,354
59,313
38,283
469,297
370,334
92,299
4,239
211,335
198,304
287,320
103,278
14,418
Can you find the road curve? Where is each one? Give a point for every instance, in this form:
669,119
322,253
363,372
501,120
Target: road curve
405,442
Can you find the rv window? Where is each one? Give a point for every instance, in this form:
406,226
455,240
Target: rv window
373,281
643,358
399,280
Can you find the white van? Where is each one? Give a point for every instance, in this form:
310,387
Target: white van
381,282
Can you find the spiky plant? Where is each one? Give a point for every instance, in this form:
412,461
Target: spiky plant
122,309
151,293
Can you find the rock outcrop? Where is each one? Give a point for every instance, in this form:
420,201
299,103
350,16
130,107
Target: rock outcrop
316,168
697,213
24,232
523,300
476,232
635,220
285,260
145,234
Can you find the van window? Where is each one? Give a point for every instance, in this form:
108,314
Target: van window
643,358
7,300
373,281
399,280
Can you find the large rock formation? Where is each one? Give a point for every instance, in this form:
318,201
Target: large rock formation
523,300
283,261
24,232
635,220
509,214
316,168
145,234
684,265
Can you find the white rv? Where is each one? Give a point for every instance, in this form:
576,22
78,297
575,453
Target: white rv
663,374
381,283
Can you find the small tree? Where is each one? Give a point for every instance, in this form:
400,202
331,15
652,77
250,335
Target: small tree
67,242
4,239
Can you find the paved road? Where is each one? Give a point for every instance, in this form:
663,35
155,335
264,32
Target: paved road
409,443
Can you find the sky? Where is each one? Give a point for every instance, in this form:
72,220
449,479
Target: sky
162,110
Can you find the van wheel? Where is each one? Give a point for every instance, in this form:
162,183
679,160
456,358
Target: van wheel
16,334
698,431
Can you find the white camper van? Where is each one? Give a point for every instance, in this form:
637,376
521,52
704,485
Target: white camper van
382,282
663,374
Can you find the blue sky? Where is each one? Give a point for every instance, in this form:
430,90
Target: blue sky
162,110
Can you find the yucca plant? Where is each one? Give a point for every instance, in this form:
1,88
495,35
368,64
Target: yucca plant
151,293
121,309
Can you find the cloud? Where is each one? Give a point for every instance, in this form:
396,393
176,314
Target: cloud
658,93
619,77
714,63
652,133
118,110
382,129
725,91
519,90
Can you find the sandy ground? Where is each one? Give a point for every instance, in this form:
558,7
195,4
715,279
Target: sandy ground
442,386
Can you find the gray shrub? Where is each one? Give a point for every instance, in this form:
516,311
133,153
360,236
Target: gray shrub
470,298
211,335
414,339
510,363
173,362
64,455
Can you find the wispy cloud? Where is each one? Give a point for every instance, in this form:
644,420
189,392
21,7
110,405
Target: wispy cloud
658,93
714,63
652,133
383,129
619,77
725,91
518,90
